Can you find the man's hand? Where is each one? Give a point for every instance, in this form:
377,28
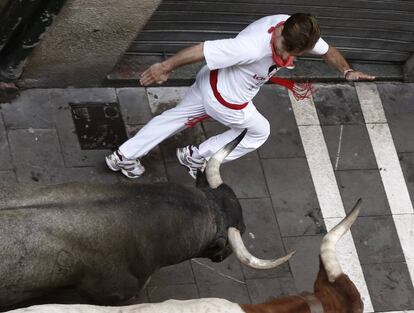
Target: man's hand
356,76
335,59
156,73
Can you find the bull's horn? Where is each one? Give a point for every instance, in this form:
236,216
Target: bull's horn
213,165
246,258
328,253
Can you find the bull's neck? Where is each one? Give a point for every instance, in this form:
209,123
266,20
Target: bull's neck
189,243
291,304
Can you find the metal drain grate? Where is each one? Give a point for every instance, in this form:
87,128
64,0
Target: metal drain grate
98,125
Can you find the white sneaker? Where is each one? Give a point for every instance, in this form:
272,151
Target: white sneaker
129,167
184,156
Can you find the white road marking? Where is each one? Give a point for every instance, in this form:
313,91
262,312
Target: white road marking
389,168
338,153
218,273
327,190
407,311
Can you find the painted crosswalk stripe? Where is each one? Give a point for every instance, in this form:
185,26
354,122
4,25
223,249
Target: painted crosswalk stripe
327,190
406,311
390,169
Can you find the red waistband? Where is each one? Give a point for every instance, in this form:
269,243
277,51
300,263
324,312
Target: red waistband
213,83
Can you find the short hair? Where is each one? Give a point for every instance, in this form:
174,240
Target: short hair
300,32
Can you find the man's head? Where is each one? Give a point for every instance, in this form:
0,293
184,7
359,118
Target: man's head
300,33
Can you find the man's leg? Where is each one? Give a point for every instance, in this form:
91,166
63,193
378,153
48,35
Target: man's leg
164,125
258,130
155,131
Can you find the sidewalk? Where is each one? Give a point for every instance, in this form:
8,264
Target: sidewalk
276,185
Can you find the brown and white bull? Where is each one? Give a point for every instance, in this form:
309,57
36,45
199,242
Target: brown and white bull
333,292
105,241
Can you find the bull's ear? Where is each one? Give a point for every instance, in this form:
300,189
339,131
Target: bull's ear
201,181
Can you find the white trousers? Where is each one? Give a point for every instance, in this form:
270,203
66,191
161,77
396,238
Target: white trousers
199,100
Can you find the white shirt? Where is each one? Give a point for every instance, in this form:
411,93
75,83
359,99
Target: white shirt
245,61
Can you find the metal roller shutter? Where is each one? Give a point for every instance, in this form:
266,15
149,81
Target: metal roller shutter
371,31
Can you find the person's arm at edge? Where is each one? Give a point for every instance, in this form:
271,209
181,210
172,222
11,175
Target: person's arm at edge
335,59
159,72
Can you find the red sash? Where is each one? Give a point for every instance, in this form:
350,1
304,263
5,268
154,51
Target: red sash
213,83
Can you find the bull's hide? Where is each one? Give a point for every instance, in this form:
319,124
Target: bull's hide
171,306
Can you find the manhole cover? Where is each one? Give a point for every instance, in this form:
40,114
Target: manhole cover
98,125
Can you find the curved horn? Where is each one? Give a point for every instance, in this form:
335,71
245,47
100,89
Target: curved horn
213,165
327,250
246,258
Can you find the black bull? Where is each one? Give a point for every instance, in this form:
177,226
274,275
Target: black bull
105,241
94,238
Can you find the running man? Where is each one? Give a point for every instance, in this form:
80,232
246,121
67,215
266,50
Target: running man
235,70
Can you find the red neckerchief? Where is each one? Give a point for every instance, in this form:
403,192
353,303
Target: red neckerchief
300,91
276,57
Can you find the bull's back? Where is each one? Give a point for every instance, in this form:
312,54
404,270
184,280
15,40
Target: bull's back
92,196
204,305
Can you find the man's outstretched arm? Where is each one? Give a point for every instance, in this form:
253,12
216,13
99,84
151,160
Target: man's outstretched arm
159,72
335,59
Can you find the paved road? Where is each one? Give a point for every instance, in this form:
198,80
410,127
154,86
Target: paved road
350,141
